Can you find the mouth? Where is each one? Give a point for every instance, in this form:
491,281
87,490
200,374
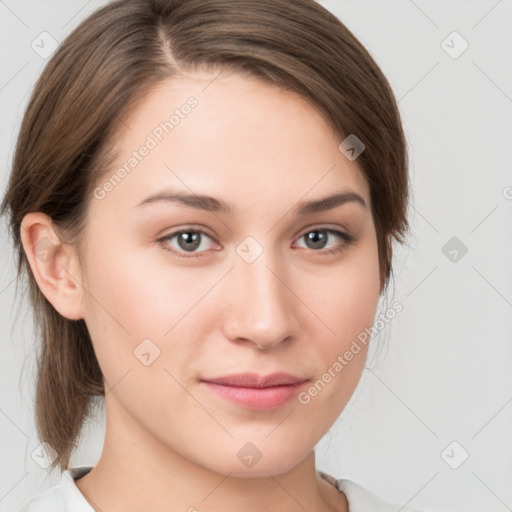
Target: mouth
252,391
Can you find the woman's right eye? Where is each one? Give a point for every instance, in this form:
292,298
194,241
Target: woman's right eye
187,241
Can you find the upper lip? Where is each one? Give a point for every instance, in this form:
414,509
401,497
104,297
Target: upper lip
253,380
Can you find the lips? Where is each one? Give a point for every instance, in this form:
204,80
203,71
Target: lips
252,391
253,380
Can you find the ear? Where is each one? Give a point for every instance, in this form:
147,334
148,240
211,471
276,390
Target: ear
54,264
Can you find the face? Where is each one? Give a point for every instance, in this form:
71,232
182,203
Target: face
261,279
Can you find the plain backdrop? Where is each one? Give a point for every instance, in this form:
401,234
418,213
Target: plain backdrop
431,421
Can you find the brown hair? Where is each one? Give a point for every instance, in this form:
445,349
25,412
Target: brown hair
105,66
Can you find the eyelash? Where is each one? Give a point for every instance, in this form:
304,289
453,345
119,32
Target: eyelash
348,240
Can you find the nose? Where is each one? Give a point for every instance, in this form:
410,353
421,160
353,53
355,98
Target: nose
261,309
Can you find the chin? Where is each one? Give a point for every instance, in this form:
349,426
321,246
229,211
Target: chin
253,460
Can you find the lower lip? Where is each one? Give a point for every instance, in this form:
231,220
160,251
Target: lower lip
260,399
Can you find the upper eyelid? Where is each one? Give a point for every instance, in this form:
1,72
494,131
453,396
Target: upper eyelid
301,233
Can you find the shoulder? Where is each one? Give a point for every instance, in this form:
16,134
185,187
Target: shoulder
52,499
63,497
361,499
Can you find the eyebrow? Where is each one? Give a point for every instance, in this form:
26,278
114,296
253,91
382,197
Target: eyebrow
212,204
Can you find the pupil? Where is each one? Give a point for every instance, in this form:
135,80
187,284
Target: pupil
189,238
318,238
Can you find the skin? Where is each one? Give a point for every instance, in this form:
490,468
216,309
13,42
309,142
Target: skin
169,439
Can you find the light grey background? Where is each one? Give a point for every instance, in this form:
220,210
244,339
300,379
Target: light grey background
445,375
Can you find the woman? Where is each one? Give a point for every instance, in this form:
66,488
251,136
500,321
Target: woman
263,135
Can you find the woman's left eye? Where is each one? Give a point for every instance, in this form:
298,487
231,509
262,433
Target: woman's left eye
318,238
189,241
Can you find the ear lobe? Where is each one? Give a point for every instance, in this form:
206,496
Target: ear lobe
54,264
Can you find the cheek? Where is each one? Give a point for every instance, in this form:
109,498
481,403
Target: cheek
348,295
346,302
129,290
134,296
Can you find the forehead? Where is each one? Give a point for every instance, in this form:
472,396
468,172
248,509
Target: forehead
228,134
